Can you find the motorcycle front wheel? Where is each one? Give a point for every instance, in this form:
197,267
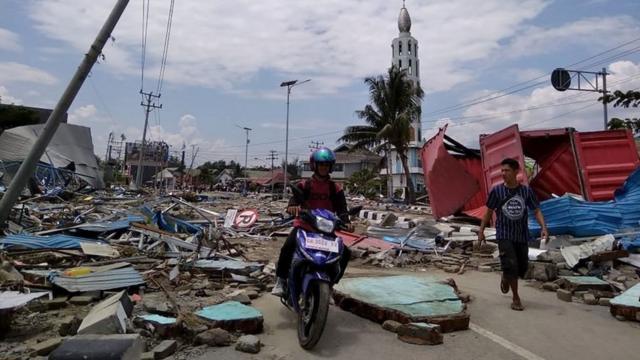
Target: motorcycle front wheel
313,314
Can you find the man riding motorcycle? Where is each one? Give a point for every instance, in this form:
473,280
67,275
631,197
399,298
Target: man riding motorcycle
320,192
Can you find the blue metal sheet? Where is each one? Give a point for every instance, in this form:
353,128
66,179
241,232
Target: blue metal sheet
567,215
109,226
159,319
106,280
58,241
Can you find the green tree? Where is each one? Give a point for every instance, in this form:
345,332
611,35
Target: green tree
364,182
626,100
395,102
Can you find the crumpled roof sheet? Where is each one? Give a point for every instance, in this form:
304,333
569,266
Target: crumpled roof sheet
70,143
119,278
14,299
567,215
58,241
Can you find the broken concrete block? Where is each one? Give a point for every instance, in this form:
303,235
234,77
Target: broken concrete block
233,316
121,347
69,325
81,300
123,298
252,294
214,337
543,271
148,356
241,298
550,286
165,349
105,320
420,334
604,301
45,347
391,325
564,295
157,303
627,304
56,303
249,344
589,299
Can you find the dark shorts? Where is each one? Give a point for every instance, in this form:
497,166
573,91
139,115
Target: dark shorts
514,258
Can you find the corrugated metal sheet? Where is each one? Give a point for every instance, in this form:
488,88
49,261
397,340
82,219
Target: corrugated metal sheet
119,278
606,158
450,186
558,174
474,167
566,215
14,299
58,241
495,148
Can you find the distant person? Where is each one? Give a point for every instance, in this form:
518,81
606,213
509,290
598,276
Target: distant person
511,202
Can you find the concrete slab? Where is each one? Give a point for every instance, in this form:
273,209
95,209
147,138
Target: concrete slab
627,304
233,316
406,299
583,283
103,347
109,319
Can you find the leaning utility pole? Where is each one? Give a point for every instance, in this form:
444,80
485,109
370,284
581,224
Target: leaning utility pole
272,156
29,164
148,105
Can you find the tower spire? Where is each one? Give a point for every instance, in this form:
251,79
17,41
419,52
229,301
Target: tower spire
404,20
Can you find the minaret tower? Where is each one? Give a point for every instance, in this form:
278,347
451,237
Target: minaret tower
404,50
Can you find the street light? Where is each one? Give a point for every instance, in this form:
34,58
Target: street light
246,154
288,84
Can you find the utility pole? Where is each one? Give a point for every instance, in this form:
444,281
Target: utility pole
28,166
272,156
246,157
561,79
315,145
108,153
148,105
288,84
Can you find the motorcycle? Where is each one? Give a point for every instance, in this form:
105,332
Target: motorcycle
314,270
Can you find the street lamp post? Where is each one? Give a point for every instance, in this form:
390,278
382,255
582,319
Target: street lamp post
288,84
246,154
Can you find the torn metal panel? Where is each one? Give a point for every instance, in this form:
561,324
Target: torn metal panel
23,241
15,299
450,185
496,147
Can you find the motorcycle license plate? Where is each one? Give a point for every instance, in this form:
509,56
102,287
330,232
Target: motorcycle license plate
321,244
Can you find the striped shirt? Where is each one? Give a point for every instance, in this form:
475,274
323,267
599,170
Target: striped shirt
511,207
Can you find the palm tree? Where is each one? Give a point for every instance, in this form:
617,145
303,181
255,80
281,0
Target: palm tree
395,102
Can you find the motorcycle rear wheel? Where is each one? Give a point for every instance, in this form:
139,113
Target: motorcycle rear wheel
313,316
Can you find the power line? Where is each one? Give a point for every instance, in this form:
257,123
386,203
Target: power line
145,28
165,51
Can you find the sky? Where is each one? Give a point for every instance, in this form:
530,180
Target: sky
484,66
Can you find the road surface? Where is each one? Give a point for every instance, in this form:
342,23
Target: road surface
547,329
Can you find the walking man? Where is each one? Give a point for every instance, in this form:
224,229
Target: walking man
511,202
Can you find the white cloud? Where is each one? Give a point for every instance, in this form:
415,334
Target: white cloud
7,98
12,72
554,109
226,44
594,32
9,40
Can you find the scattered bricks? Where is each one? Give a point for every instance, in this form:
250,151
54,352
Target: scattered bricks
241,298
604,301
564,295
56,303
589,299
69,325
249,344
81,300
252,294
485,268
391,325
452,269
214,337
165,349
420,334
542,271
550,286
45,347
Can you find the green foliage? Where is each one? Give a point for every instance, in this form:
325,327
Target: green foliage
364,182
626,100
394,103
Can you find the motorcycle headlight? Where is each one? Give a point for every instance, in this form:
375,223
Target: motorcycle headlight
324,225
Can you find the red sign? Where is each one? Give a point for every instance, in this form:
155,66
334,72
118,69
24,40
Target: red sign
246,218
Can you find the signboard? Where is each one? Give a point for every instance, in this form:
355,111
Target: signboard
231,216
246,218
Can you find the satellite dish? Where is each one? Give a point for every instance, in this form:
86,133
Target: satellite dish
560,79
